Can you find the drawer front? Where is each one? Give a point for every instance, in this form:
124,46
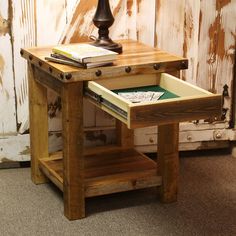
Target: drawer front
189,102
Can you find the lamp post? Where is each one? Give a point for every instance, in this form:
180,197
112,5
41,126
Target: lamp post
103,19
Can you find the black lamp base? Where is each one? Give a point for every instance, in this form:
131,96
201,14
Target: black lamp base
108,44
103,19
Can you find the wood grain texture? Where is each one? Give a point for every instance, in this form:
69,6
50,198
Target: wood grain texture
125,136
110,171
73,159
38,125
140,57
47,80
168,112
168,159
53,171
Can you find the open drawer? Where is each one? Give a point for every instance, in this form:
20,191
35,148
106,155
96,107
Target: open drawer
181,101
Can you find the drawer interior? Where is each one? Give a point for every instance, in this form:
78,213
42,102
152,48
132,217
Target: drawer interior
170,85
180,99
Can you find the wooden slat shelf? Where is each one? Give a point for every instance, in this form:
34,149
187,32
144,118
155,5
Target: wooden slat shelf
108,172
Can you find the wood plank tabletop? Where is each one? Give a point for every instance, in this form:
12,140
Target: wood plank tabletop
139,57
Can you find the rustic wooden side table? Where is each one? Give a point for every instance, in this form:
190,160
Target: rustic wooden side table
82,173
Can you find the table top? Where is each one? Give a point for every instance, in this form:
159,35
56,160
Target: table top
141,59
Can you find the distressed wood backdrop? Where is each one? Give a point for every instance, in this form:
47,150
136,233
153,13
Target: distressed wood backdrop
204,31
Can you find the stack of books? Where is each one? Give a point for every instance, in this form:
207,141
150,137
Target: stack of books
82,55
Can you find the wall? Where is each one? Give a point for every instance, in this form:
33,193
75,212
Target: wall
202,30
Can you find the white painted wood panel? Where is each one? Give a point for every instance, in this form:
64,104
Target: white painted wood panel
7,95
51,20
131,19
24,35
217,47
169,25
21,149
145,20
118,29
80,25
206,54
190,46
226,51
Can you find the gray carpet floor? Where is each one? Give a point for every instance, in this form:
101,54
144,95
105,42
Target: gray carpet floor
206,205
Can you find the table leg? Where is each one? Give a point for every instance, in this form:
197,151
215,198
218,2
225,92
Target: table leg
73,159
38,125
168,159
125,136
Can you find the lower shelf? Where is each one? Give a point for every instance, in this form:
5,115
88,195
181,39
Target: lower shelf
108,172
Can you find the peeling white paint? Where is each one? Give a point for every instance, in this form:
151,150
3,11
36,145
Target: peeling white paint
86,28
7,95
20,152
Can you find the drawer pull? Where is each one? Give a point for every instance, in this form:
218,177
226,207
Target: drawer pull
151,140
189,137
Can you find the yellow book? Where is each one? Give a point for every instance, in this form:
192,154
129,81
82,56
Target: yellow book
85,53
